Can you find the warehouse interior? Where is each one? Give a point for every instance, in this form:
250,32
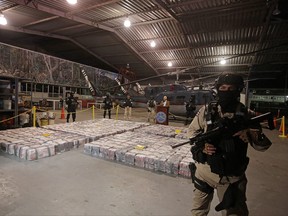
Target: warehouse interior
193,36
189,42
76,183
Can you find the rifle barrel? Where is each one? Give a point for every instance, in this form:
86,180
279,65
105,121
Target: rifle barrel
179,144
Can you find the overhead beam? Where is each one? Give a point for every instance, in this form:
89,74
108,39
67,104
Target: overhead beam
93,6
203,66
40,21
199,46
22,30
211,64
152,9
135,51
221,44
146,22
173,15
56,12
116,55
36,5
224,9
33,32
265,28
66,28
92,53
5,9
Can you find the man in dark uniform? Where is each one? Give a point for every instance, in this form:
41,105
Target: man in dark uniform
190,109
71,107
107,105
151,107
127,107
221,162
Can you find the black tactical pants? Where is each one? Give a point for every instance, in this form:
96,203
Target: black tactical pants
73,116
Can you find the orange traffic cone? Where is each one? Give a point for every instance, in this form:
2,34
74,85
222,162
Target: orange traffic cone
62,113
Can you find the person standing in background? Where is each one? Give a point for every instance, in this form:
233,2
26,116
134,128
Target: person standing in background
107,105
165,102
71,107
190,109
128,107
61,102
151,105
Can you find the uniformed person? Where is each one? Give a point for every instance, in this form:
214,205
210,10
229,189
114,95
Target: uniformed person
72,104
127,107
221,163
190,109
108,104
151,106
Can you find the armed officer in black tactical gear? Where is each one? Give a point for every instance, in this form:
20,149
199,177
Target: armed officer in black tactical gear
190,109
72,104
108,104
221,163
128,107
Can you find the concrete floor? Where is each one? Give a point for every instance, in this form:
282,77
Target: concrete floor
73,183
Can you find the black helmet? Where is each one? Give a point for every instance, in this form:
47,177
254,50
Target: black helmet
230,79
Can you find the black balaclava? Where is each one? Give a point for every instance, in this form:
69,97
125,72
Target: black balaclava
228,100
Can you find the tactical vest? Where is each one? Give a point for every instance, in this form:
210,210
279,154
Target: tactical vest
151,104
107,103
230,158
128,103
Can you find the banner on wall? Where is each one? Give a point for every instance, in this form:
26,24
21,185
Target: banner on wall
42,68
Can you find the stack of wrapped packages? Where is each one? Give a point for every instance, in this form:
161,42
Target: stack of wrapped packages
147,147
133,143
35,143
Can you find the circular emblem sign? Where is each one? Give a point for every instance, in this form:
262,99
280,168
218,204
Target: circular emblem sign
161,117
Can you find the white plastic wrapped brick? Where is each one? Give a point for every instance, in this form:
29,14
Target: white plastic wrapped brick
140,160
172,164
150,161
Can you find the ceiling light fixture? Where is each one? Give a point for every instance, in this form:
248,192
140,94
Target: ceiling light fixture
72,2
3,20
223,61
152,44
169,64
127,23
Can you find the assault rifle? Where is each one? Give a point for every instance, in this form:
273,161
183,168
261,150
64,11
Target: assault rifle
202,138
